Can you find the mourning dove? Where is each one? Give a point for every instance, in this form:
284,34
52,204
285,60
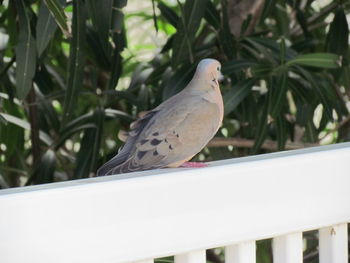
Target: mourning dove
177,129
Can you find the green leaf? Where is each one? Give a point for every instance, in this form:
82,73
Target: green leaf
262,69
119,40
25,53
113,114
76,60
101,15
269,6
338,35
300,16
155,22
323,94
262,125
232,66
157,74
98,52
305,113
26,125
120,3
345,77
3,120
178,81
311,131
68,133
187,27
57,11
45,170
282,19
168,14
83,119
90,144
212,15
270,49
279,93
281,132
47,111
226,38
45,28
236,94
10,134
319,60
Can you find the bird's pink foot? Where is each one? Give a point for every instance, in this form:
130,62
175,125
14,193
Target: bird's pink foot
193,165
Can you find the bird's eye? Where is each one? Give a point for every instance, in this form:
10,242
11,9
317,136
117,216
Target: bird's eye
218,68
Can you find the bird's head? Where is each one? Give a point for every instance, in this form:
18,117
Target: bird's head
209,69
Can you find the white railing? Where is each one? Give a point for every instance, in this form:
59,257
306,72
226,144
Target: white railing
183,212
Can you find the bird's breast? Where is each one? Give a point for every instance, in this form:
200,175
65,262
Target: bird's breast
215,97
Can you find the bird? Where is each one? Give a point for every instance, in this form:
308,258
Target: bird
175,131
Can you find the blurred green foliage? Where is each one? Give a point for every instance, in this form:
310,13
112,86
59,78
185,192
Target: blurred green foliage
69,80
62,108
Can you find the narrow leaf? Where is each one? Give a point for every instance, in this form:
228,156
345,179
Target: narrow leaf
45,170
45,29
212,15
119,40
322,94
187,27
26,125
25,53
120,3
68,133
269,6
234,65
154,16
178,81
97,50
338,35
3,120
90,144
279,93
311,131
47,111
57,11
227,40
76,59
282,19
101,15
168,14
11,134
262,125
319,60
281,132
236,94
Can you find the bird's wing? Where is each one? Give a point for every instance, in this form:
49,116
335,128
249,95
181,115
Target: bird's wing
167,135
128,147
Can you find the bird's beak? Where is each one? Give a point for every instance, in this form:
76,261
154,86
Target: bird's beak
221,77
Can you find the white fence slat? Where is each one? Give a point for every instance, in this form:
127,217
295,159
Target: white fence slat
288,248
198,256
244,252
333,242
145,261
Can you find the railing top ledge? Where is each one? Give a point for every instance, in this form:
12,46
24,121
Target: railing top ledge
162,172
137,216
